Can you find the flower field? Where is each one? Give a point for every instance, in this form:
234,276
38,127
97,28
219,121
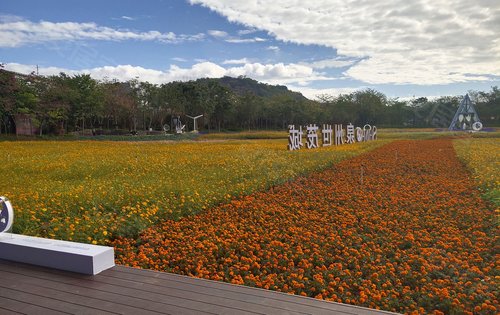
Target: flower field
400,228
92,191
483,157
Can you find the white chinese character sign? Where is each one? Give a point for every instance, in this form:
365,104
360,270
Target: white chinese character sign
295,138
339,135
6,215
369,132
336,136
350,133
327,135
360,135
312,136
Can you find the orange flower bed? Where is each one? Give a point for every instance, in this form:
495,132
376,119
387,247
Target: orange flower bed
400,228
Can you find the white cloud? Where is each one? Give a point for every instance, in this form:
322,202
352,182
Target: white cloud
27,69
128,72
273,74
15,33
217,33
414,42
8,18
273,48
246,31
278,73
235,61
270,73
331,63
232,39
400,71
129,18
199,70
245,40
312,93
179,59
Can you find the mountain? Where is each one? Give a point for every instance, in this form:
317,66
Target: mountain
243,85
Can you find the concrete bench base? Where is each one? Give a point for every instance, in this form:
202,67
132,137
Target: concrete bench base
64,255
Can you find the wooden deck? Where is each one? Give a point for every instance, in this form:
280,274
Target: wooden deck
27,289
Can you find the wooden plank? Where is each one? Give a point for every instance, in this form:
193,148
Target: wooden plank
160,292
8,306
81,293
28,303
44,293
73,303
5,311
131,290
247,291
234,293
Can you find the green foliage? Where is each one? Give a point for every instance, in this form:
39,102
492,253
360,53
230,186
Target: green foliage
242,86
487,105
248,135
8,90
63,104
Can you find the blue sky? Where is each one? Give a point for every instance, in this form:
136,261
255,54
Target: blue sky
399,47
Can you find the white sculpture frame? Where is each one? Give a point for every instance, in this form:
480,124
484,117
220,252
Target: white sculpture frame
5,205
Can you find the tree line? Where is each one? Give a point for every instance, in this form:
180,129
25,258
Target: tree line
78,103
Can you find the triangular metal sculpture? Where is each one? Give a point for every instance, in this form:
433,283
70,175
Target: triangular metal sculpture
466,117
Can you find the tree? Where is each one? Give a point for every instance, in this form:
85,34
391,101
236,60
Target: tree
247,108
117,99
224,103
9,89
77,102
132,104
369,106
397,114
86,100
343,110
56,97
488,106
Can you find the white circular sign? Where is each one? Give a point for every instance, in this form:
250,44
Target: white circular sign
477,126
6,214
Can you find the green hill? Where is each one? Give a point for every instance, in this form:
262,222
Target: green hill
243,85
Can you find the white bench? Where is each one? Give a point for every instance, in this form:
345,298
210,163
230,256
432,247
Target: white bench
64,255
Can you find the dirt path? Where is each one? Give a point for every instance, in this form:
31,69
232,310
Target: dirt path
400,228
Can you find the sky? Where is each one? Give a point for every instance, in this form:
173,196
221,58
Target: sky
403,48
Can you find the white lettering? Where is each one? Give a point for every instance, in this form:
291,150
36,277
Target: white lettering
312,136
